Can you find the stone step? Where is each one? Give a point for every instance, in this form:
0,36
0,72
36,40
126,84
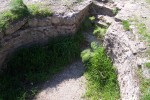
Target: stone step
104,21
107,19
101,8
101,23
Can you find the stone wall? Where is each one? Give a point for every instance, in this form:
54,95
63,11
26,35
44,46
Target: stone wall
38,30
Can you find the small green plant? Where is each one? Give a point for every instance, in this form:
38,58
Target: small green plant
100,74
141,28
37,10
99,31
115,10
19,9
126,25
92,18
144,86
143,31
147,65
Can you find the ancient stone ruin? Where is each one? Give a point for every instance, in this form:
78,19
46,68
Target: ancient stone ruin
122,46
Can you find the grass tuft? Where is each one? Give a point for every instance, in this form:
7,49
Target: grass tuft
19,8
147,65
126,25
99,32
144,86
100,74
92,18
37,10
144,83
143,31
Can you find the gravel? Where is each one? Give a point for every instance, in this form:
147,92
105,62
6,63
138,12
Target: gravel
68,85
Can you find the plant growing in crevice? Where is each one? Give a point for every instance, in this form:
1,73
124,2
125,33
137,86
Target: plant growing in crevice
92,18
126,25
36,10
147,65
142,29
99,31
144,86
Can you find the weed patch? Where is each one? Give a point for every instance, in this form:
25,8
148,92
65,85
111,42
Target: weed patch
100,74
37,10
144,86
31,66
144,83
147,65
92,18
143,31
99,32
126,25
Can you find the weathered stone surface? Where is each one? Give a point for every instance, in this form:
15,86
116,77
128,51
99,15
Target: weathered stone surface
120,48
102,9
13,27
108,20
1,35
40,22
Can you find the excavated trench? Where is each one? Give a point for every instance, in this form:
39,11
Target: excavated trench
118,43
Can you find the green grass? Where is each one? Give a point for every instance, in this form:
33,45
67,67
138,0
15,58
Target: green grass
143,31
19,11
144,83
101,77
31,66
126,25
148,1
38,11
145,89
19,8
92,18
99,31
144,86
147,65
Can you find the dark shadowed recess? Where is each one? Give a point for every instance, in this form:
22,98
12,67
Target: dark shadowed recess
29,67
